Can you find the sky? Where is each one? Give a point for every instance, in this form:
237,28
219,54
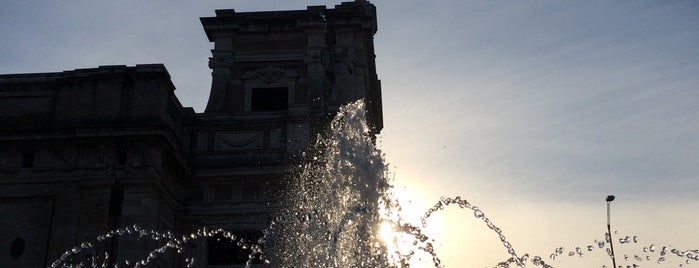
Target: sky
534,111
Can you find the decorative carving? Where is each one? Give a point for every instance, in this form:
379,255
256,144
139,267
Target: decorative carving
268,75
342,88
239,140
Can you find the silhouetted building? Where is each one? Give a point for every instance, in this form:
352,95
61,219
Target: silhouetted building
89,150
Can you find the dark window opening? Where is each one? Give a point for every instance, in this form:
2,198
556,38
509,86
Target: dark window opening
269,99
17,248
116,199
122,158
224,251
28,160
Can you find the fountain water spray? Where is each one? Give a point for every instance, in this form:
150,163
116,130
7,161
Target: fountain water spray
336,205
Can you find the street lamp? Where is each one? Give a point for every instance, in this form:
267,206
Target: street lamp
609,199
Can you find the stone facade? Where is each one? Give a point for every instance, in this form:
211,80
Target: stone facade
89,150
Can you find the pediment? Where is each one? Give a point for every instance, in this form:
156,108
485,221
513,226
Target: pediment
269,74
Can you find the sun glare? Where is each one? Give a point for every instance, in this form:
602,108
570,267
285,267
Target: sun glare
386,233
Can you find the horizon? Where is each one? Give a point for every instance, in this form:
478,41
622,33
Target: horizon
534,112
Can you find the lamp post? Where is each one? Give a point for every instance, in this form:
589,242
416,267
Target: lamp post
610,198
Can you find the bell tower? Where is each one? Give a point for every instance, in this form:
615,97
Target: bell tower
278,79
303,63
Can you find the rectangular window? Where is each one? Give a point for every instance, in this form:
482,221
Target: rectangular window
122,158
28,160
269,99
116,199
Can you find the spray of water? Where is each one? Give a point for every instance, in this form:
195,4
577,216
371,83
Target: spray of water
339,211
333,203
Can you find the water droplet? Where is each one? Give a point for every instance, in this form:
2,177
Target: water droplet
624,240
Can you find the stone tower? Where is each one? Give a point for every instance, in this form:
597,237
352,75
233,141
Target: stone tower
278,78
89,150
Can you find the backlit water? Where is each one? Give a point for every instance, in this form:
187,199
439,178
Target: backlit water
338,211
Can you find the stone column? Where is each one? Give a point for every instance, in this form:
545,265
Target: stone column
221,66
315,60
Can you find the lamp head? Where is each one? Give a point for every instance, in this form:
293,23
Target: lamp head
610,198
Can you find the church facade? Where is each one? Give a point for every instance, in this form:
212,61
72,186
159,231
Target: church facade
86,151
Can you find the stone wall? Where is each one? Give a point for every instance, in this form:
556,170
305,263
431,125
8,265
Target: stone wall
86,151
67,138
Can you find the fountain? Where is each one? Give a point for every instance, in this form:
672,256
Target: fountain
338,211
